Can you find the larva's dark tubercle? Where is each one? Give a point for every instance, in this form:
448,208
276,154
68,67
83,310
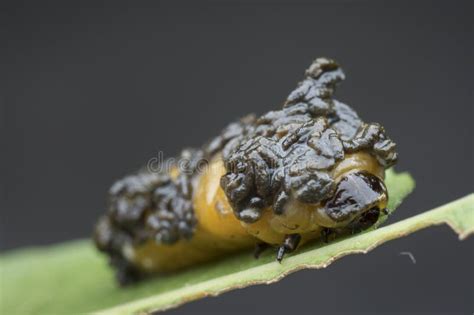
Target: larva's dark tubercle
290,152
144,206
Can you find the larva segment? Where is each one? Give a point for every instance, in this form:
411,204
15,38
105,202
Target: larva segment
291,153
147,206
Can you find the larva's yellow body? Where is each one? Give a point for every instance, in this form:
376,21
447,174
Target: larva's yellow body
218,232
311,169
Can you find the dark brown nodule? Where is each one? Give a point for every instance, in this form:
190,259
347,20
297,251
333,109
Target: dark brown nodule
289,153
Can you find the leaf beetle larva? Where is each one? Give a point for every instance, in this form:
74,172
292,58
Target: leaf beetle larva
291,175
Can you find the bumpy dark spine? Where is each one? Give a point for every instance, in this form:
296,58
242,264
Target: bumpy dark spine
289,153
148,206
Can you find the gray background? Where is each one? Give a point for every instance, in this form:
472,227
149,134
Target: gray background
91,91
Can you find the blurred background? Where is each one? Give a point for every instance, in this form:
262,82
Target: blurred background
92,91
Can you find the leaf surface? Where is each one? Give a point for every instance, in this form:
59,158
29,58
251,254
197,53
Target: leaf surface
74,278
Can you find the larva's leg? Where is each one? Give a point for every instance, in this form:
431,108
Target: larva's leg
326,234
125,272
259,249
289,244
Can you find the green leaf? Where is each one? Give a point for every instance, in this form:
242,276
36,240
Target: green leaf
74,278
